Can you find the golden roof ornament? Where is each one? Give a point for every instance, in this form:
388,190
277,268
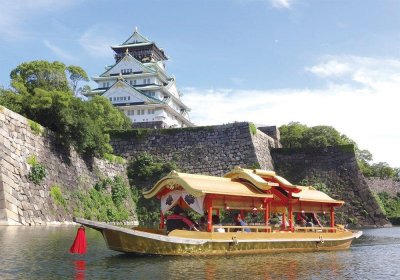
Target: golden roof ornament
120,78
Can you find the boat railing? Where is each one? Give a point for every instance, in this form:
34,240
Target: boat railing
261,228
315,229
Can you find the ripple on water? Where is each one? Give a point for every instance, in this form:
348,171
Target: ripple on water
42,253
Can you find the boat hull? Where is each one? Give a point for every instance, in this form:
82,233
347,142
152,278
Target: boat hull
180,242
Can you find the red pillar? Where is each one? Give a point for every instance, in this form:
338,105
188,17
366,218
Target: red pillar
209,223
161,220
266,213
284,220
290,212
332,217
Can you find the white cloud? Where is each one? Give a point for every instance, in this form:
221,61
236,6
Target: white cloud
281,4
62,54
97,39
15,13
368,113
330,68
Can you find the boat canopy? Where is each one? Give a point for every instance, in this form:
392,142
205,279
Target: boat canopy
192,189
269,178
310,194
200,185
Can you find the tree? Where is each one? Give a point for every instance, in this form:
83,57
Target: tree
40,74
321,136
76,74
41,93
292,134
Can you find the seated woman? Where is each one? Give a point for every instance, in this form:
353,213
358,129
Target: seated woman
216,222
179,221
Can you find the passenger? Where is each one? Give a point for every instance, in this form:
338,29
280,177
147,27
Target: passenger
179,221
239,222
302,219
203,224
216,222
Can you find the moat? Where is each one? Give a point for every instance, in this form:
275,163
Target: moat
42,253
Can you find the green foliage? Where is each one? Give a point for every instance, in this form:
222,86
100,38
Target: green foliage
255,165
316,184
391,204
143,172
99,204
136,133
292,134
41,74
56,194
10,100
114,159
37,171
76,74
252,128
119,190
297,135
41,93
35,127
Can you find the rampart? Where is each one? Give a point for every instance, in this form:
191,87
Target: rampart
23,202
210,150
337,168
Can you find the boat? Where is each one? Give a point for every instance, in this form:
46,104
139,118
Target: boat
249,192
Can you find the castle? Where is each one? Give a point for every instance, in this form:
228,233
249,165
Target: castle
140,86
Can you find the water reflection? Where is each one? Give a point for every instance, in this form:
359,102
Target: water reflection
80,267
42,253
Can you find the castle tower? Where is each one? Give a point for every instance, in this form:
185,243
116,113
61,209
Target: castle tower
140,86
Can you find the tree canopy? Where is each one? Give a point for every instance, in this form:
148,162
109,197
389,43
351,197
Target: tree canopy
297,135
41,92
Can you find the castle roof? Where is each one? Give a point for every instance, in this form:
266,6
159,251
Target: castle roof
127,62
138,97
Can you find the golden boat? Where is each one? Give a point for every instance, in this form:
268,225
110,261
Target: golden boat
241,190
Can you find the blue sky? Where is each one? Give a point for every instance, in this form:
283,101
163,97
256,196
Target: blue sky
266,61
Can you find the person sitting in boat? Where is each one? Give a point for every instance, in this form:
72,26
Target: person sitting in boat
239,222
202,223
178,220
216,222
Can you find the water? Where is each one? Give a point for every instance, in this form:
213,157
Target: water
42,253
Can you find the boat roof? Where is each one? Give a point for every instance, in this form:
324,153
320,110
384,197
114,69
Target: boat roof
200,185
309,194
302,193
259,175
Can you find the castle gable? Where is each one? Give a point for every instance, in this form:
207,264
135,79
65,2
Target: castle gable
127,65
122,93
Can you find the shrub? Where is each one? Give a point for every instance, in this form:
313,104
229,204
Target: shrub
253,128
35,127
37,171
56,194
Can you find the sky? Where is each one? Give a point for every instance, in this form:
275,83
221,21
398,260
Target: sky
270,62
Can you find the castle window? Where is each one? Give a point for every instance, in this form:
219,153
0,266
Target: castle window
148,81
129,98
130,82
110,99
144,81
134,82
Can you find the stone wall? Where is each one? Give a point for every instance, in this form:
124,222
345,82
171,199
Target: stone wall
390,186
21,201
337,168
210,150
